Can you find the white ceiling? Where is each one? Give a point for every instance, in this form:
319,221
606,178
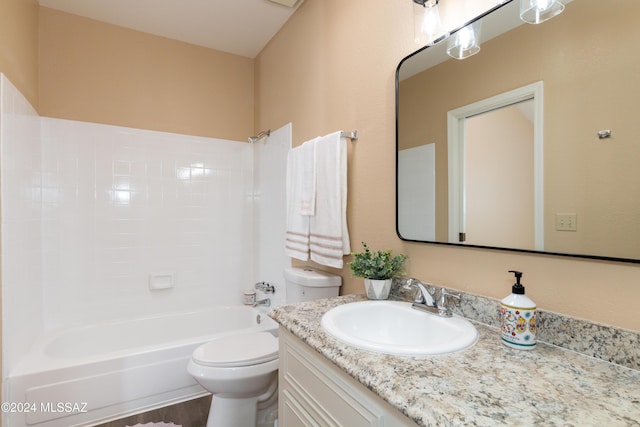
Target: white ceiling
242,27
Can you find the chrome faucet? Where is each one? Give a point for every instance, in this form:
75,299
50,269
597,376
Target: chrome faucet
265,287
424,294
266,302
425,298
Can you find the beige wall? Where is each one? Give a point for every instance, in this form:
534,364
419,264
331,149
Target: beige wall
19,45
97,72
332,67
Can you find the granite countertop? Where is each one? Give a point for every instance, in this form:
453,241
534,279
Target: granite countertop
486,385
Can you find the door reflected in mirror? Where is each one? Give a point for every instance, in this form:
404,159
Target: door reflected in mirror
496,171
590,70
499,211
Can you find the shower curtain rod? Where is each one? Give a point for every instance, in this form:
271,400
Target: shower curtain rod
259,136
353,135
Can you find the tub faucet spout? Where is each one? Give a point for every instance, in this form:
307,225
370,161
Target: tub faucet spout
266,302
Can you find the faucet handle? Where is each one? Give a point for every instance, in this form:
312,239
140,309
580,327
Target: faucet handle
407,282
265,287
445,304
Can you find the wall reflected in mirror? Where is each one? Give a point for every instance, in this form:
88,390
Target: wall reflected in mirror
589,68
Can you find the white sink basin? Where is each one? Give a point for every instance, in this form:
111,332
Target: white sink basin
393,327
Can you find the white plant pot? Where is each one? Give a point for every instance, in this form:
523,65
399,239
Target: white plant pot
377,289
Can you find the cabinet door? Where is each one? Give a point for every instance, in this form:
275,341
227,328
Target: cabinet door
292,414
313,392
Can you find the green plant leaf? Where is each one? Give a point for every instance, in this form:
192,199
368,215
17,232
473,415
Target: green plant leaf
377,265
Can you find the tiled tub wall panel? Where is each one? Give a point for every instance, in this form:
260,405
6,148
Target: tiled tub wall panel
21,218
120,204
269,186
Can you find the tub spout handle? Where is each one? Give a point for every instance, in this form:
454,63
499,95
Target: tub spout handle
266,287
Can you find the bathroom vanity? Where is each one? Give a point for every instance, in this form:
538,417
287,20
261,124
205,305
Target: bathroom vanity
313,391
326,382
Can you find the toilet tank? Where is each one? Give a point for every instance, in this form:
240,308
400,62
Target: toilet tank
305,284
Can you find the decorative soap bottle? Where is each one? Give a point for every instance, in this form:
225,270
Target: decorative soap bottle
518,318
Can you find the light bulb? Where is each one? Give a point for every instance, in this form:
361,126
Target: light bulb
427,28
466,38
538,11
466,42
542,4
430,22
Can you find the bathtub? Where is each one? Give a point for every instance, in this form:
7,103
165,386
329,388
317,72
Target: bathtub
92,374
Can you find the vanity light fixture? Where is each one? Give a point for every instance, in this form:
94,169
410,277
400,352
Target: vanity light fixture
426,22
465,42
538,11
287,3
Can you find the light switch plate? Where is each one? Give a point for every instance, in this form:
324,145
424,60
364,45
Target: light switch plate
566,222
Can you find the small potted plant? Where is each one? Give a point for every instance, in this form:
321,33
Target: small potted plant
377,268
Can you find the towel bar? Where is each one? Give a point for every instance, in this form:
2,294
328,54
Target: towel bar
351,135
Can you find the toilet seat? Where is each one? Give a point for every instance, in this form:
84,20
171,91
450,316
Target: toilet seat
237,350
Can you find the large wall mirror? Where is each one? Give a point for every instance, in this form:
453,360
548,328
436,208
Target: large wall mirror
533,144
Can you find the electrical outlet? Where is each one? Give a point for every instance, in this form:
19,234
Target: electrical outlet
566,222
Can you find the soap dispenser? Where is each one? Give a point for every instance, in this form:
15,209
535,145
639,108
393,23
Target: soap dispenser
518,317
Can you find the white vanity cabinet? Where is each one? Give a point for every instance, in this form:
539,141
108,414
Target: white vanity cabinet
314,392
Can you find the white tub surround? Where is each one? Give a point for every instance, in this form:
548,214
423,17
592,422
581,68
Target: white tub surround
115,368
105,224
128,209
22,276
486,385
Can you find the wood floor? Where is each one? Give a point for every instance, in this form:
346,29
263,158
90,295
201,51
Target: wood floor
192,413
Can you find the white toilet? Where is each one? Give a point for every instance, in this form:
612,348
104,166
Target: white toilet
241,371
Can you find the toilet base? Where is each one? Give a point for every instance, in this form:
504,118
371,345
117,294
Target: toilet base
255,411
267,415
232,412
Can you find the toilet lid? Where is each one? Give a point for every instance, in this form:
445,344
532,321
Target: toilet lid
238,350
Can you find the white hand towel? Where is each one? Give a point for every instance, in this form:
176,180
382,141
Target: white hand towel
329,235
300,169
307,177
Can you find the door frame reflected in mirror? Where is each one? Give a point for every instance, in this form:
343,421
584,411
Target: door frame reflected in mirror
456,138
